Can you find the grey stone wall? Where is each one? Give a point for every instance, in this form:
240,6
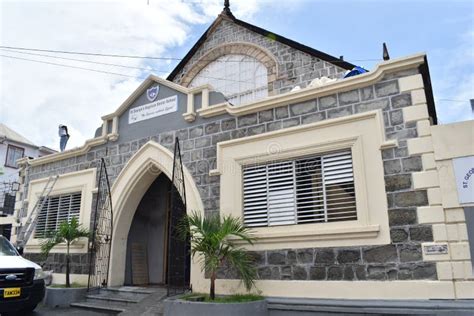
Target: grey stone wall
295,67
389,262
401,259
79,263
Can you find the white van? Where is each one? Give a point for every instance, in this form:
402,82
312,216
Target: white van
21,281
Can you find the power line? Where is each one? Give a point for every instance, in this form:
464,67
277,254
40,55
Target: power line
69,66
149,57
83,60
90,54
114,65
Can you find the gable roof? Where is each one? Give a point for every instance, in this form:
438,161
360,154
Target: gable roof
9,134
226,14
142,88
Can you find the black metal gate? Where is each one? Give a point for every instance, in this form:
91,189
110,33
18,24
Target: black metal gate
8,190
101,239
178,268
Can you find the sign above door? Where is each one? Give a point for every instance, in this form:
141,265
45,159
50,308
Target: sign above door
154,109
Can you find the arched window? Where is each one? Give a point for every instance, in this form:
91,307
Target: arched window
242,79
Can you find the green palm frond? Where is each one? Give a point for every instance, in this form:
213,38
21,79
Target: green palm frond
242,262
67,232
211,237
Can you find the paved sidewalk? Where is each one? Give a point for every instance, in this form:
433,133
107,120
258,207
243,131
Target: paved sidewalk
150,306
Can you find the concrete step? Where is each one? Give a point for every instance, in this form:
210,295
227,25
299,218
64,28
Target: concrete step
135,289
99,307
112,300
115,300
132,292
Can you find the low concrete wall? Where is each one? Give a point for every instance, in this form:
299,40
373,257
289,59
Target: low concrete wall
177,307
280,306
63,297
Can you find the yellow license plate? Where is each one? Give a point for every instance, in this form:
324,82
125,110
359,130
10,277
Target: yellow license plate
12,292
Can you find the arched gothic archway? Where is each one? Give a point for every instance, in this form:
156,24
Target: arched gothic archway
127,191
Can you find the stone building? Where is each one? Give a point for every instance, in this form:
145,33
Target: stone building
348,184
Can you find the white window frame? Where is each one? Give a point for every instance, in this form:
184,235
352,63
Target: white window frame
66,206
225,72
12,149
83,181
363,134
285,193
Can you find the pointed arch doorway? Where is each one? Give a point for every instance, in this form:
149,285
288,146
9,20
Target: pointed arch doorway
141,183
150,252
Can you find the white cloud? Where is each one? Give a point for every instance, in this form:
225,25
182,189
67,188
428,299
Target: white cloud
453,80
35,98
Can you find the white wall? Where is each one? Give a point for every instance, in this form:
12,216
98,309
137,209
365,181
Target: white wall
11,174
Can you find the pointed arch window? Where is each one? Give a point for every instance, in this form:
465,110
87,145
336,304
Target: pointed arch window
242,79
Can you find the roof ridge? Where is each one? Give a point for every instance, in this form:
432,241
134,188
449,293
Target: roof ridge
12,135
226,13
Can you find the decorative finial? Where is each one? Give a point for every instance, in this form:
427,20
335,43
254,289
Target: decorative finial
227,7
386,56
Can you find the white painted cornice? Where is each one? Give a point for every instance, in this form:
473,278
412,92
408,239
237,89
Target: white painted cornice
222,108
310,93
65,154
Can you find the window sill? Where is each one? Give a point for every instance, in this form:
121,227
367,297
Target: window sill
264,235
35,246
363,133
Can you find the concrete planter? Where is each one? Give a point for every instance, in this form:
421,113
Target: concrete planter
62,297
178,307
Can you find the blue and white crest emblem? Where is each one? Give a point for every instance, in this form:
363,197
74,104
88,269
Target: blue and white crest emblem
152,93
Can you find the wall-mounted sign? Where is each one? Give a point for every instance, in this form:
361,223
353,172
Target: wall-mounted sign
154,109
152,93
440,249
464,172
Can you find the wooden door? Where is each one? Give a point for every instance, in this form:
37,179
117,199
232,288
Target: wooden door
139,264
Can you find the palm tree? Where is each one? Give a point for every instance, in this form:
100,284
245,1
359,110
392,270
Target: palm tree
209,237
67,232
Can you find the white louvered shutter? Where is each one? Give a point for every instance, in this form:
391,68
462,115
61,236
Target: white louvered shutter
281,193
255,196
53,212
56,210
339,186
310,191
307,190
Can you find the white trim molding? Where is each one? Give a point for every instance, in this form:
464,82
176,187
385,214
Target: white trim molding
417,289
80,181
309,93
151,160
363,134
207,110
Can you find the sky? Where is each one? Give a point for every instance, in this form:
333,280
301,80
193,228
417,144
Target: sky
36,97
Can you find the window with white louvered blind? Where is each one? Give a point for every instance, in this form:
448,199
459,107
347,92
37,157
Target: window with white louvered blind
313,189
56,210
